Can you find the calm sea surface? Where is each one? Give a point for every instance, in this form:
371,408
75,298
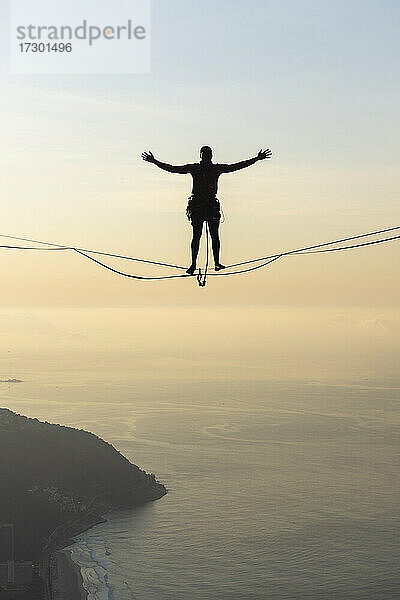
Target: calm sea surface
275,491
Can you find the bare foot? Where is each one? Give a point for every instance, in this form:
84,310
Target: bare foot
218,267
191,269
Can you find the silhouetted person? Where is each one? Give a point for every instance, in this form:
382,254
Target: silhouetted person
203,204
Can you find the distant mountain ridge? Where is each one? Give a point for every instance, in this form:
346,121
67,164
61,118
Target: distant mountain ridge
51,475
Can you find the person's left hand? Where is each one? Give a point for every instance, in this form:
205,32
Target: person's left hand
148,156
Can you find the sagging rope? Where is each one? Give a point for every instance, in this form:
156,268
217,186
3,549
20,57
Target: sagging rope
99,252
302,250
143,277
202,277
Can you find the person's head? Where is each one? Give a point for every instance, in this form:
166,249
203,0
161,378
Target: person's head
206,153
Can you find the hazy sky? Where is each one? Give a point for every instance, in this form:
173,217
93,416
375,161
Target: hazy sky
316,81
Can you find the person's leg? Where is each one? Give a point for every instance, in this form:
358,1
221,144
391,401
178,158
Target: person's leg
195,245
213,227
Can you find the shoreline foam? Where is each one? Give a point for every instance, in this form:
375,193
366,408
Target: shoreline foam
93,571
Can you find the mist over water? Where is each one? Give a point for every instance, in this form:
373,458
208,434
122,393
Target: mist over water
276,490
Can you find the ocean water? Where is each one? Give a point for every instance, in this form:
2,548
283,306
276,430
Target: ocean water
286,492
275,491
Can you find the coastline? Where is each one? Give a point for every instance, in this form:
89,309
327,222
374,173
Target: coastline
68,479
67,584
66,580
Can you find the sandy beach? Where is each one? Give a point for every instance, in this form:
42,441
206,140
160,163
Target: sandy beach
67,581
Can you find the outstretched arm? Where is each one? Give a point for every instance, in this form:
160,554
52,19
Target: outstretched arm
246,163
149,157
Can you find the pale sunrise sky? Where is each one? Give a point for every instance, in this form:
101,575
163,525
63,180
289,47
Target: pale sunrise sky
315,81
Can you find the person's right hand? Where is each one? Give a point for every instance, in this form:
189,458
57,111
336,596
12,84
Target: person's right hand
148,156
264,154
